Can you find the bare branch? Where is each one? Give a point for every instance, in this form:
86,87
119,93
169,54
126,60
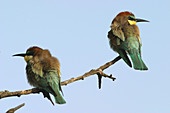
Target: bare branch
12,110
6,93
98,71
93,71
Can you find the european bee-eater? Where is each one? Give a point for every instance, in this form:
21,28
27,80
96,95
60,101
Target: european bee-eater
125,38
43,72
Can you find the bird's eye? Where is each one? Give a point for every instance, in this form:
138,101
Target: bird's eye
131,18
29,53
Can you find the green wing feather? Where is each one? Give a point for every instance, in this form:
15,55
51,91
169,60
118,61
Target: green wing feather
54,86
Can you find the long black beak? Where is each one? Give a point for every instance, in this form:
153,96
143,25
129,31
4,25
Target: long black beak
141,20
22,55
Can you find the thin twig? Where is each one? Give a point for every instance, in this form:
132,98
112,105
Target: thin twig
99,70
12,110
102,74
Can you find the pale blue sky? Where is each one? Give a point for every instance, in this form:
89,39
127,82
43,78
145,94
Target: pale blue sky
75,32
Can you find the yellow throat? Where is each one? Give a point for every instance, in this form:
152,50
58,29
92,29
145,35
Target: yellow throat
26,58
132,22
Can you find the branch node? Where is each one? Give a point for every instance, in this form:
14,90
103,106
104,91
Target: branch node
82,78
18,95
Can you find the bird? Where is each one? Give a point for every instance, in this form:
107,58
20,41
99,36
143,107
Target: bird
43,72
124,38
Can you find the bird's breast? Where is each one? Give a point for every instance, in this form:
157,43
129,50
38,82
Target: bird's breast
34,79
131,30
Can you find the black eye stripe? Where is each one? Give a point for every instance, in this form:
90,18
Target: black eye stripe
130,18
29,53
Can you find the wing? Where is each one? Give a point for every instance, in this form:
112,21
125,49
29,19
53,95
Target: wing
139,45
133,31
115,45
115,41
40,63
36,66
53,81
118,32
54,65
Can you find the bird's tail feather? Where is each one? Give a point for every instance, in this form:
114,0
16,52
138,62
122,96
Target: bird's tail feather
56,92
138,63
54,85
58,98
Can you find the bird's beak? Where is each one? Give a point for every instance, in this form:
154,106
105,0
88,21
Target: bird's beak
141,20
27,57
22,55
